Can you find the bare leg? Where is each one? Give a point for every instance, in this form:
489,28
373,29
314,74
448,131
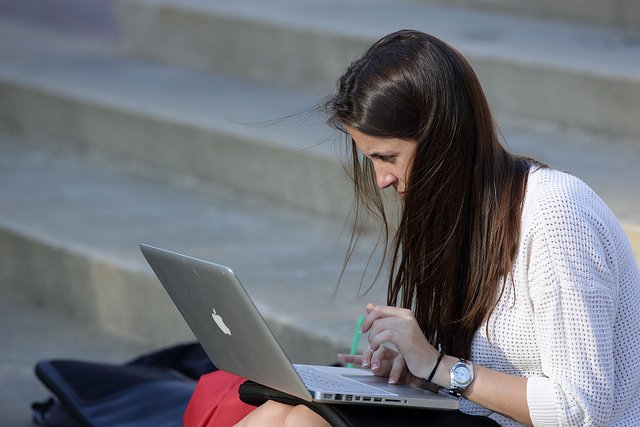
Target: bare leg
302,416
274,414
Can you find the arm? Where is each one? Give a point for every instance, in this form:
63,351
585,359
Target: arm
500,392
494,390
575,300
582,288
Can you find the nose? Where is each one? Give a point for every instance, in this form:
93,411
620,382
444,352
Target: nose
385,179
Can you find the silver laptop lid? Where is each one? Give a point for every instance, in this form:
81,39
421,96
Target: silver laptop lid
224,320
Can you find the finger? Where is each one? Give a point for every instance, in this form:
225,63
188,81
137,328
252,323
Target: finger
403,332
366,324
398,368
381,360
366,357
376,340
388,310
375,312
355,359
377,359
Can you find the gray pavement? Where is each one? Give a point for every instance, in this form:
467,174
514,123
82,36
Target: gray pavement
29,330
88,18
29,333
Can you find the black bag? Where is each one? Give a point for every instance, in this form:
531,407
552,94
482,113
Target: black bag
152,390
365,415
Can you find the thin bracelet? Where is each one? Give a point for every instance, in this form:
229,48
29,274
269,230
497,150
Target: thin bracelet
435,367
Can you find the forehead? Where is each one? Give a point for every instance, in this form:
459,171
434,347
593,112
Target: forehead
369,144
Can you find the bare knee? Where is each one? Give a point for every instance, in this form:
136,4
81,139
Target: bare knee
302,416
267,415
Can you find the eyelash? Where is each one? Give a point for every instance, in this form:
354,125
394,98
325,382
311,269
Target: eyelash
389,159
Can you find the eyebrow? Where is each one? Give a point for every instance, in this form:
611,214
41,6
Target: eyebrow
379,155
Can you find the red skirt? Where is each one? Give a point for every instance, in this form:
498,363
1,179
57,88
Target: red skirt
215,402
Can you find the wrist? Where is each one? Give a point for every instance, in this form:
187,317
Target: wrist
435,368
442,376
461,376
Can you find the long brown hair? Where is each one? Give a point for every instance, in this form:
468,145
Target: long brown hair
458,231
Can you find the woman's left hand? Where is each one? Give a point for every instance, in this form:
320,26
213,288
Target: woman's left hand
392,365
399,327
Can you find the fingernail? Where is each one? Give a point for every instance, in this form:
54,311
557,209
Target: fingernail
392,380
375,367
365,364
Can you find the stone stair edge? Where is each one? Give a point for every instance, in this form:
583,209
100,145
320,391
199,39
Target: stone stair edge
222,125
97,275
167,117
88,116
596,40
618,14
108,292
146,110
117,105
599,72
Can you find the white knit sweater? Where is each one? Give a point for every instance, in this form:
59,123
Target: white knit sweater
569,318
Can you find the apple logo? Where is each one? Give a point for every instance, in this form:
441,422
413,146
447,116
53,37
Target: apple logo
218,319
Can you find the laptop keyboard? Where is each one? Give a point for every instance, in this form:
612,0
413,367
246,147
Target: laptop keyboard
328,382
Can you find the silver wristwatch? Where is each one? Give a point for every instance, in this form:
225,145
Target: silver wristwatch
461,375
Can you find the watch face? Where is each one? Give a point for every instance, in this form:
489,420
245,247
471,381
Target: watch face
461,374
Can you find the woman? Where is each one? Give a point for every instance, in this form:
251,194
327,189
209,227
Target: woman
512,284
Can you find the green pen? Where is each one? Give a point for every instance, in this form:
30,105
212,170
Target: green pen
356,338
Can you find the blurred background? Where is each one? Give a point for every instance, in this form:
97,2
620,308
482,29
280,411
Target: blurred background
190,124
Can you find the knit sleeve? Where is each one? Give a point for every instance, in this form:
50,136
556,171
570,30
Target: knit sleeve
573,289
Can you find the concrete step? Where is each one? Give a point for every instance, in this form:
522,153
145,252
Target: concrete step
166,122
620,14
609,166
182,126
69,235
567,74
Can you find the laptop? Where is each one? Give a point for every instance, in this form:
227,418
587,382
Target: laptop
237,340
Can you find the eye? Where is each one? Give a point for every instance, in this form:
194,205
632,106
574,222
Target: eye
389,158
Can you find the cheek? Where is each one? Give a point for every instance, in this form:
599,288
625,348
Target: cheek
404,171
377,170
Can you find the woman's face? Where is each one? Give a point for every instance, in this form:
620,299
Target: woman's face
391,158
